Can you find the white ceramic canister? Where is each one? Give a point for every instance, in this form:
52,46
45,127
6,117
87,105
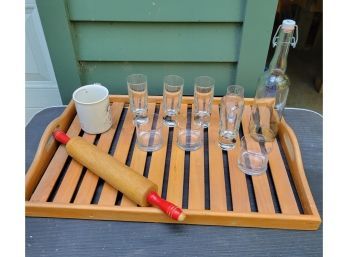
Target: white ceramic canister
93,108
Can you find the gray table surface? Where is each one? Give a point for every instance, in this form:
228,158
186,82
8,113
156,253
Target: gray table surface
72,237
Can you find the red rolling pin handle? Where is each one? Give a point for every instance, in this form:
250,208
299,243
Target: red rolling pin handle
61,137
170,209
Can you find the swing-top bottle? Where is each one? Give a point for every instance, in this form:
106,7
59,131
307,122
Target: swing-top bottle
273,87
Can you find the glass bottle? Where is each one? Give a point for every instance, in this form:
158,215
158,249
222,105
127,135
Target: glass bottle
273,87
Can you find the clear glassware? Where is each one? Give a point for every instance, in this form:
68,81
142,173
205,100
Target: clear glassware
149,134
189,133
273,87
203,99
235,90
137,92
172,97
253,156
231,111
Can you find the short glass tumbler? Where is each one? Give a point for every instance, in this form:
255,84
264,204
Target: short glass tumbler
189,134
137,92
231,111
172,97
149,134
253,157
203,99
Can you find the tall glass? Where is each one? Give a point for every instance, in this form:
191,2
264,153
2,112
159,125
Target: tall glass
203,99
231,111
236,90
172,96
137,92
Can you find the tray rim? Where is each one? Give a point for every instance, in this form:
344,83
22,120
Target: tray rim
48,146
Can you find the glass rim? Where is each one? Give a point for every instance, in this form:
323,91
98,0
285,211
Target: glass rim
208,82
91,86
136,76
176,81
238,87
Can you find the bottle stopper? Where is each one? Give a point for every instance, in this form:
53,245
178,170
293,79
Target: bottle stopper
288,25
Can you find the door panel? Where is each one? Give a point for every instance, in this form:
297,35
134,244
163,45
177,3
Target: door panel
41,88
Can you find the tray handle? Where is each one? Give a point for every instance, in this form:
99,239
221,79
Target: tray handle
46,149
292,151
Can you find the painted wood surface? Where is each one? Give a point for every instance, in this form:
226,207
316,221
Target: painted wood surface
104,41
157,10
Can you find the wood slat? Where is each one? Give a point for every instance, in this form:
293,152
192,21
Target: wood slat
71,178
158,160
239,188
282,184
90,180
87,188
139,159
176,170
265,115
108,193
261,186
48,180
196,200
158,11
281,181
157,39
216,168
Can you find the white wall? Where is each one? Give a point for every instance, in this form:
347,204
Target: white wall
41,90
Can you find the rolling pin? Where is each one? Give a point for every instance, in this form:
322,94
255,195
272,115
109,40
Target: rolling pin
136,187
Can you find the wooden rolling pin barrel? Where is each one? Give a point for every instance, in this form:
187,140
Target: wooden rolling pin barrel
136,187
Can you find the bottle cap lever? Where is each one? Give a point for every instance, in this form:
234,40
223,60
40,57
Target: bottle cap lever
287,26
275,37
294,40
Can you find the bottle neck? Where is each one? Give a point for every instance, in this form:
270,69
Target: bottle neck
279,60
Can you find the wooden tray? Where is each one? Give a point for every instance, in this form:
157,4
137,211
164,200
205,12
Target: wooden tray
206,182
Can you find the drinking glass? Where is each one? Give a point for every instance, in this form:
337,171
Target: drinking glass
203,99
149,134
253,156
189,133
137,92
235,90
172,96
231,111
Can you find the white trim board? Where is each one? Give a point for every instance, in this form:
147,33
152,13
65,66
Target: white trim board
41,88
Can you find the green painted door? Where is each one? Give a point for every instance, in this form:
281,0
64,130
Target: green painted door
106,40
